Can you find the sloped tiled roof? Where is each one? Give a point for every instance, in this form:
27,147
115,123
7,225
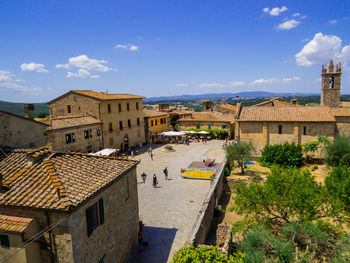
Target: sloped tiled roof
227,106
341,112
12,223
99,95
290,114
57,181
180,112
72,121
275,102
209,116
154,113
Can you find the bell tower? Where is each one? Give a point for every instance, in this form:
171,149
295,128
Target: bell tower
331,81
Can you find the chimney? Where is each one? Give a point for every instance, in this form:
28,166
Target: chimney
293,101
28,111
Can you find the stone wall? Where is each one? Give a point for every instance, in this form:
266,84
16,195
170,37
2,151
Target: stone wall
57,139
112,240
19,132
206,212
79,105
267,133
343,125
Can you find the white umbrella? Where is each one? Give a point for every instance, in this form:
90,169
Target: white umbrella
172,133
203,132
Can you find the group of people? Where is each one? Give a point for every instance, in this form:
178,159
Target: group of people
155,180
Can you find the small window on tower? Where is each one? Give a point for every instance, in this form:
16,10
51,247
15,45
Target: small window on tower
279,129
304,130
109,108
68,109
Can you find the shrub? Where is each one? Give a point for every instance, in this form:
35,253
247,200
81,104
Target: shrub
338,152
314,167
286,155
239,152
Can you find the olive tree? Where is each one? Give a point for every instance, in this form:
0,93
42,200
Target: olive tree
240,152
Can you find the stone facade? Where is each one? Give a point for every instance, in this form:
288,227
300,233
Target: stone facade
122,118
69,242
19,132
331,82
269,133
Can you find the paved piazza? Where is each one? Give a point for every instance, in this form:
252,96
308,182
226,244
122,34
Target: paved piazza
169,211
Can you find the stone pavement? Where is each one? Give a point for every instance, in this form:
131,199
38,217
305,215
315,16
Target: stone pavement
169,211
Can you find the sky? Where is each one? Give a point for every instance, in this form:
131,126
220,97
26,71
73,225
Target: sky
166,48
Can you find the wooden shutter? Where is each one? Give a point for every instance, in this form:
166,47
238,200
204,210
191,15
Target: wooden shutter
88,221
101,210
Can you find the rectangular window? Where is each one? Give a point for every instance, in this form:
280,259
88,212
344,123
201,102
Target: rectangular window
68,109
209,126
109,108
68,138
224,126
198,126
73,137
127,106
279,129
138,121
86,134
129,123
119,107
90,133
110,127
137,106
98,132
151,122
5,242
94,216
121,125
304,130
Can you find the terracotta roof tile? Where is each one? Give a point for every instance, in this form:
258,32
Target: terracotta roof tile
72,121
209,116
291,114
341,112
105,96
57,181
154,113
12,223
275,102
227,106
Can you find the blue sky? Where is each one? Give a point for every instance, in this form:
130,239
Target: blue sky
157,48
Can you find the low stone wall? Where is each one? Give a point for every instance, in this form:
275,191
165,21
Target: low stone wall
205,216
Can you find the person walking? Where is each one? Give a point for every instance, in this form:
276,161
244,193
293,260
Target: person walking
143,176
155,181
166,173
152,156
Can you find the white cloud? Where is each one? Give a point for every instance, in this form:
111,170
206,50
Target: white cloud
130,47
274,81
287,25
303,17
84,65
36,67
211,85
236,83
6,75
296,14
275,11
181,85
333,22
321,49
63,66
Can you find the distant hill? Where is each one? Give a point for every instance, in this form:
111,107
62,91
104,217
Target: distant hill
17,108
247,94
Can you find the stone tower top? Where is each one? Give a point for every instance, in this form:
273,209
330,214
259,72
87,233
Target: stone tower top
331,81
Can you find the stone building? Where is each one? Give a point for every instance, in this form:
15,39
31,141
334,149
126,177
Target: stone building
82,208
276,102
208,120
277,125
75,134
21,132
226,108
331,82
155,122
121,115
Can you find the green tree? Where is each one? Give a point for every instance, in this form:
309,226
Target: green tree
338,185
338,152
286,155
201,254
240,152
287,195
